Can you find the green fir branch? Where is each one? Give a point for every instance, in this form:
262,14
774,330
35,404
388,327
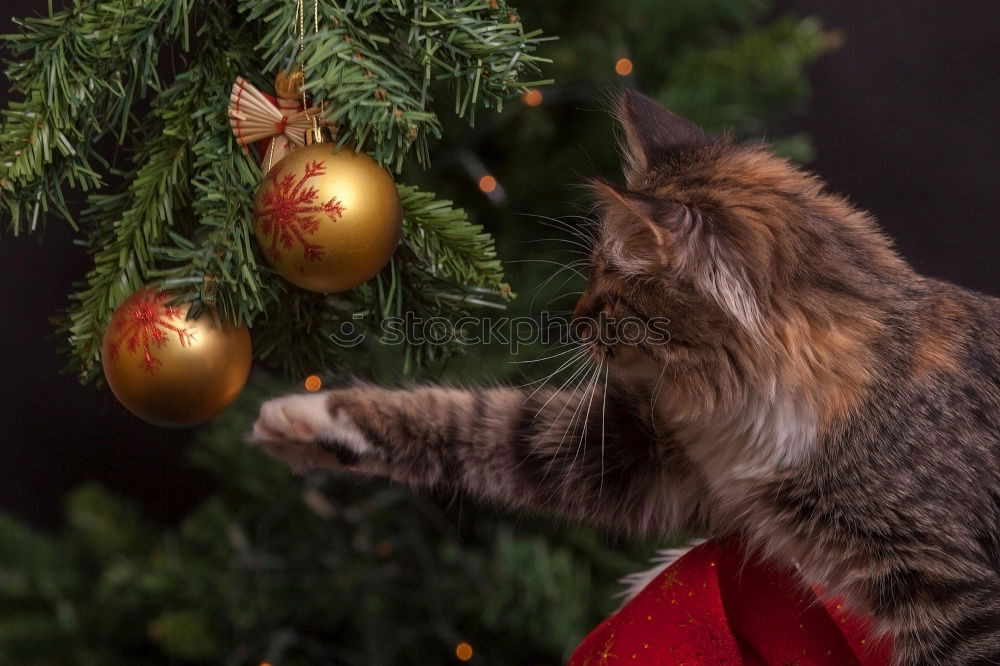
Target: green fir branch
88,66
375,64
127,225
215,262
447,244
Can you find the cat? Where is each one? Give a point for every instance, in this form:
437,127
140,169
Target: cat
816,396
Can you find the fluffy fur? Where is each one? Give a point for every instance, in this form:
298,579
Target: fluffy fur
817,396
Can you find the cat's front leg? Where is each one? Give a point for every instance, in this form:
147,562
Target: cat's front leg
580,455
419,436
424,436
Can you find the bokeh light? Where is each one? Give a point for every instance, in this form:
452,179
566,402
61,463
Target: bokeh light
623,67
313,383
532,97
463,651
487,183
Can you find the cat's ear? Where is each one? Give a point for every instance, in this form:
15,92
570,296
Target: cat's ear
650,233
653,237
652,133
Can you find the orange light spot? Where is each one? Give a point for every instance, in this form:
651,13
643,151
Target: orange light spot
487,183
313,383
623,67
264,663
383,548
463,651
532,97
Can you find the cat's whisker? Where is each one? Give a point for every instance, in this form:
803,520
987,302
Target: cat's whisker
544,358
541,382
561,285
561,347
584,368
587,250
552,424
566,404
524,368
555,420
541,287
585,242
604,405
573,266
572,421
562,295
582,424
585,232
588,227
582,444
571,361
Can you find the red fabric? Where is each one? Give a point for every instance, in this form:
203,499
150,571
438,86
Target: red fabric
715,606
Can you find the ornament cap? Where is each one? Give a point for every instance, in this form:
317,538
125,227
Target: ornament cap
318,134
288,85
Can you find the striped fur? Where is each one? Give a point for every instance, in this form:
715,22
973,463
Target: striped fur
816,395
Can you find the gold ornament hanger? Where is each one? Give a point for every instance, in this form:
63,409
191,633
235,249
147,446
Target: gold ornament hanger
287,121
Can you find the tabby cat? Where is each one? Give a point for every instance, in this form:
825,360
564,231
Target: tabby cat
816,396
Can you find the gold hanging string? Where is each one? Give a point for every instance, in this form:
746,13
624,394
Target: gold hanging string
300,24
300,16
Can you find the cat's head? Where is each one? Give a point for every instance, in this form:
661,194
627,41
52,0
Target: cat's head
752,263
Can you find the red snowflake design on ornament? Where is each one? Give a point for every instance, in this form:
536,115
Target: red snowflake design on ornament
143,321
288,212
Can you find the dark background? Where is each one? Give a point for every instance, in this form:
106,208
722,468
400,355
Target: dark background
903,118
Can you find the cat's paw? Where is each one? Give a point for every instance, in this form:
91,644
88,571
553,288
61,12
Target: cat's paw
309,430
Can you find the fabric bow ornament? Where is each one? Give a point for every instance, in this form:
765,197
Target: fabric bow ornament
279,122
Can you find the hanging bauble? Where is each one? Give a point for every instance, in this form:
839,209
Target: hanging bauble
327,218
169,370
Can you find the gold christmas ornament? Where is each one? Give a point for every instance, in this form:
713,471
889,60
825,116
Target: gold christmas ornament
327,218
168,370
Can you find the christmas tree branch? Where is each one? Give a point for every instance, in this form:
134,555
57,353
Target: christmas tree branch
376,63
89,63
447,244
127,225
216,261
